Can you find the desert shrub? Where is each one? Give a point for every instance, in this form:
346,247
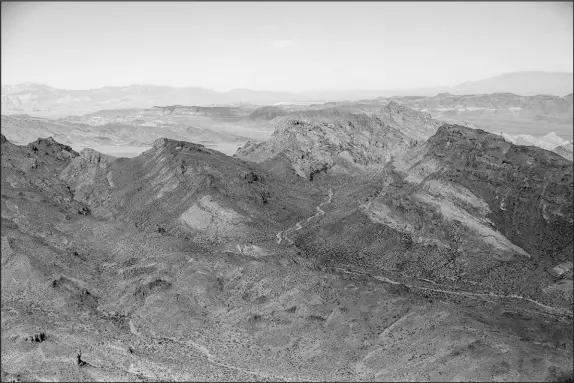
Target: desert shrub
37,338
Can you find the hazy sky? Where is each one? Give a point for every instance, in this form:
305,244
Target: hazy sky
281,46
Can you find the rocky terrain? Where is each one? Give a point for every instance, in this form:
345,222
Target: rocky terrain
168,266
340,140
345,145
360,243
464,192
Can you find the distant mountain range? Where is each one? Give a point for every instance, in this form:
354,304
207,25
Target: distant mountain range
43,100
522,120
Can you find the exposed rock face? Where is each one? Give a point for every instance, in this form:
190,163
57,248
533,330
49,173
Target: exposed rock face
214,220
416,125
96,157
565,151
563,269
310,147
436,212
88,175
528,190
49,146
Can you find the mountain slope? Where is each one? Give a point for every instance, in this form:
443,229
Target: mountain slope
465,208
181,187
107,278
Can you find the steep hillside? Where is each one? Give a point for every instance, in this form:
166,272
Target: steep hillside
528,190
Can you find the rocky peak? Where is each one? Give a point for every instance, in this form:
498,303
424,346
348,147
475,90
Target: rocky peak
416,125
395,109
166,143
51,147
460,134
96,157
347,143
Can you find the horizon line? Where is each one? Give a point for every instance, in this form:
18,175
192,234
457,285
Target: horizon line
279,91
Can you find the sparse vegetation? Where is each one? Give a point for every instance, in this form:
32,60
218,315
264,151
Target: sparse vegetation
219,297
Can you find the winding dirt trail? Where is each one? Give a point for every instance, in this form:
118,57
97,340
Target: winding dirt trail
282,234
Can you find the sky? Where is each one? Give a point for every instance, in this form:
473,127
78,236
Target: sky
281,46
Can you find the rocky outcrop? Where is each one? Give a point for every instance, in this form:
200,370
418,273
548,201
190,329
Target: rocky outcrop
563,269
50,147
352,143
210,218
528,190
416,125
565,151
